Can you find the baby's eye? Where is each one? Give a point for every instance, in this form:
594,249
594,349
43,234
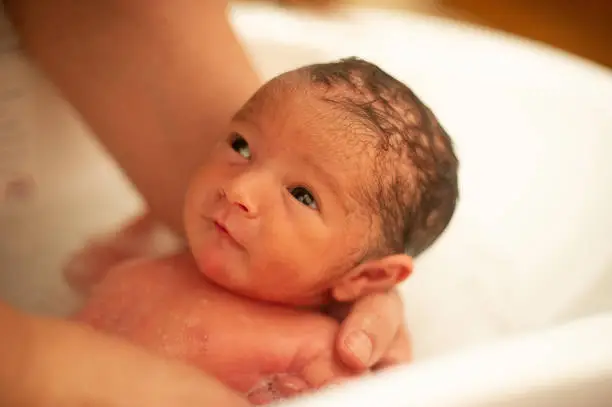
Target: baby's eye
304,196
240,145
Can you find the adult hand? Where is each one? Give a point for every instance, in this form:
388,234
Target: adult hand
142,236
373,335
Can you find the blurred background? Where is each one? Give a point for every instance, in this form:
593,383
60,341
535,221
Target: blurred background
581,27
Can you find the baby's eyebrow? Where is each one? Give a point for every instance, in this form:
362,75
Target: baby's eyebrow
241,115
245,113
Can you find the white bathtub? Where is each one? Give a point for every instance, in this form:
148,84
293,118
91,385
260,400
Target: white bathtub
512,307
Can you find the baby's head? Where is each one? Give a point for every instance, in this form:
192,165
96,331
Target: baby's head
331,178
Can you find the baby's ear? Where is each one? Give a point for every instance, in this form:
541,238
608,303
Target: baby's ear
372,276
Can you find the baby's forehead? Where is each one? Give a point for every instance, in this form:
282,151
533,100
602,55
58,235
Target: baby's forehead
295,111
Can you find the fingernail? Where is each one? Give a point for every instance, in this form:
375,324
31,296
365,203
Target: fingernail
290,385
360,345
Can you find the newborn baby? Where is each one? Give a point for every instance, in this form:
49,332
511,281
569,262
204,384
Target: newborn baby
332,177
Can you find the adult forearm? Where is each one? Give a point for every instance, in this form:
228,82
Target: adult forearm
46,362
15,359
156,81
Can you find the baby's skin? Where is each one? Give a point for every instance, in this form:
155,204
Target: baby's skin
169,307
294,207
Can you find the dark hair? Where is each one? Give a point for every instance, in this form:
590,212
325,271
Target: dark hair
415,166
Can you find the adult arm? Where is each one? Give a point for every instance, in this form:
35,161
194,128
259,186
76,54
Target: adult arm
47,362
156,81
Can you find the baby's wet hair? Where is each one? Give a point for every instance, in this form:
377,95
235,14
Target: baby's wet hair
415,166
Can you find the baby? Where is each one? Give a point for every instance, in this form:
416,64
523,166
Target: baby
332,177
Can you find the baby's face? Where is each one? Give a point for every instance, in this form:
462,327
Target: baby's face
274,213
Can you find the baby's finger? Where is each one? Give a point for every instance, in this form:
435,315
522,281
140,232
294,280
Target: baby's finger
275,388
260,397
290,386
370,329
264,392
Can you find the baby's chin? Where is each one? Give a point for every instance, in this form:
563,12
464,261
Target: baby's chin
234,280
232,273
238,276
225,271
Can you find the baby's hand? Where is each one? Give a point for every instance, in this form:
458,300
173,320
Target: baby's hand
316,369
141,237
318,374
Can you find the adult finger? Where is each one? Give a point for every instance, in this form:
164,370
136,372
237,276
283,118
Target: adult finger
325,370
399,352
370,329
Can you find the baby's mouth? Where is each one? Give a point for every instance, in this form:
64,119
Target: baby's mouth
224,232
220,228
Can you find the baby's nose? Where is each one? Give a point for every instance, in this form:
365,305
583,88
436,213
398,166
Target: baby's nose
242,198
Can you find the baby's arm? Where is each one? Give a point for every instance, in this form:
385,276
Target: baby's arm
262,351
313,364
